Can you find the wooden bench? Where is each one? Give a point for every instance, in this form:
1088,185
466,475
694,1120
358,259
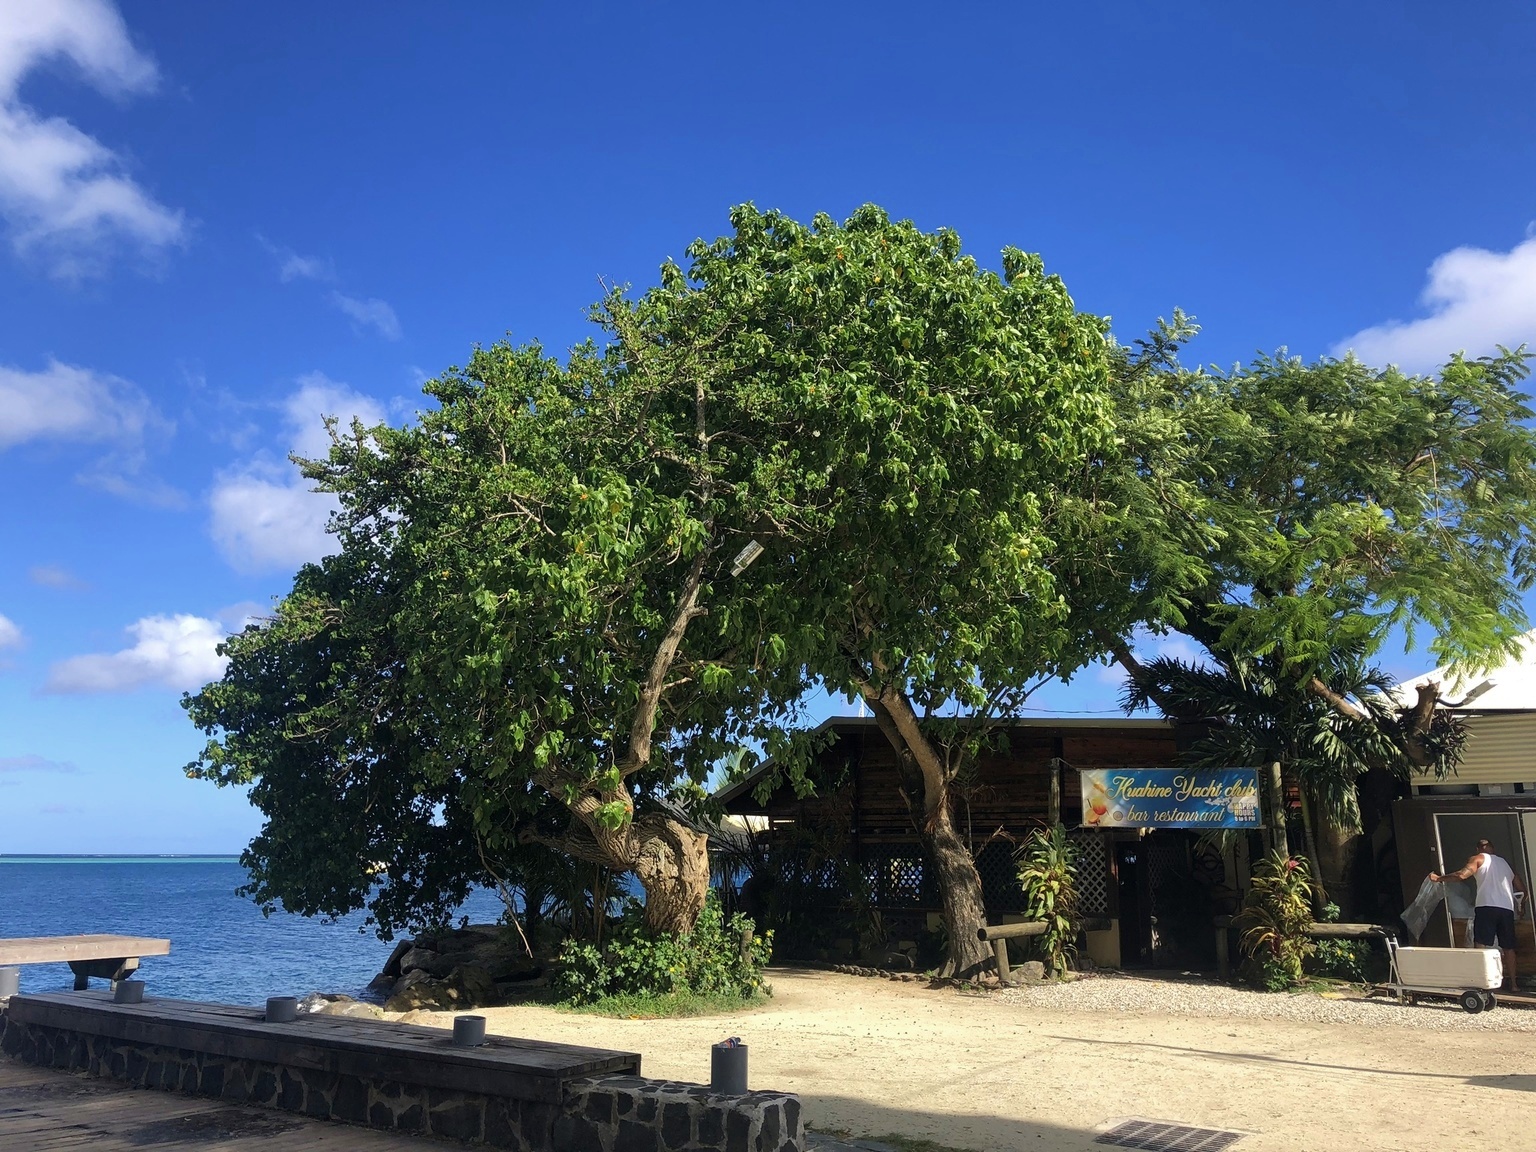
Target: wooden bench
105,957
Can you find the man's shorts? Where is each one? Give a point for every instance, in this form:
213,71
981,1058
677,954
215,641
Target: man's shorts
1493,927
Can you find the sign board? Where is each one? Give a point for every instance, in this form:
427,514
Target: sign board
1170,798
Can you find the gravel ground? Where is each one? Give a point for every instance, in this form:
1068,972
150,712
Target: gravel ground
1174,995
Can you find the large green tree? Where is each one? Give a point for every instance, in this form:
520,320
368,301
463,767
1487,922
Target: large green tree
1309,509
518,615
935,417
534,598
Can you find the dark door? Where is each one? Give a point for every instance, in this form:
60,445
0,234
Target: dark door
1135,904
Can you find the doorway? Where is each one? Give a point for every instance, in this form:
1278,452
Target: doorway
1513,836
1134,888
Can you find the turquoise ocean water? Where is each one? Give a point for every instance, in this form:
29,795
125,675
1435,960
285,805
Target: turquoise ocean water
222,948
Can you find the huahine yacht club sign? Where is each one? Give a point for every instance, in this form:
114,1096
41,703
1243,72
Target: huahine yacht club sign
1170,798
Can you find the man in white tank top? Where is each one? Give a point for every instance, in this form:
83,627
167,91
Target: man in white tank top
1493,920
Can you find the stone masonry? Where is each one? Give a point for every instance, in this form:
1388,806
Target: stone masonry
601,1114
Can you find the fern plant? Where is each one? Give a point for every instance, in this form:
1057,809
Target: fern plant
1047,866
1276,914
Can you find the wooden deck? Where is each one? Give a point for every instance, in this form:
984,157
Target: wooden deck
63,949
42,1110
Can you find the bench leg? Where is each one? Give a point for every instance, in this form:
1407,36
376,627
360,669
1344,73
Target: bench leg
110,970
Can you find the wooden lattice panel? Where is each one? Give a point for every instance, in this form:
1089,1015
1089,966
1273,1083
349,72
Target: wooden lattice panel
1093,877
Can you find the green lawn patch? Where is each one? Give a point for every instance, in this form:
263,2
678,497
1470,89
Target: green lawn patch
649,1006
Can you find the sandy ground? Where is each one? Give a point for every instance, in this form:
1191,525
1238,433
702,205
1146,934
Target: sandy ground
994,1072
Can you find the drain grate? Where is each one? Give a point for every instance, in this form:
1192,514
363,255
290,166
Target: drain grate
1153,1136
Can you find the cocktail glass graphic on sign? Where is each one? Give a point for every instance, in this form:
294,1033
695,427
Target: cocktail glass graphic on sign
1170,798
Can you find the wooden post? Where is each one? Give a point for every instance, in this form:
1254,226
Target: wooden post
1223,959
1054,811
1278,840
998,936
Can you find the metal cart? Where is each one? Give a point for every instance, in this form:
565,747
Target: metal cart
1466,975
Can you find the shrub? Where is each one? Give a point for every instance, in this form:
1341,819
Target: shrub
1274,920
1353,960
1046,873
712,961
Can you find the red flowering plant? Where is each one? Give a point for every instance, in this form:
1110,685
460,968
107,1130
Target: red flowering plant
1275,919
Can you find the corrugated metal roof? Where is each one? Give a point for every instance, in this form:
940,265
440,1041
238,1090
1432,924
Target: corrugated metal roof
1509,687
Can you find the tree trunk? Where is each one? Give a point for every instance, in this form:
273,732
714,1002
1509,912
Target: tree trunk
672,865
926,787
1279,841
960,896
1309,830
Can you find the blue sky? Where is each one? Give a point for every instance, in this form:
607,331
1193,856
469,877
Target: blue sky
218,222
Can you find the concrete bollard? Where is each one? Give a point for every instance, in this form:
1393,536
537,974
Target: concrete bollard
10,982
469,1031
728,1068
282,1009
128,992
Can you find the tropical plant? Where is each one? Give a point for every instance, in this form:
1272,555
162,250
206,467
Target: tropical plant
1047,864
1353,960
721,957
1252,715
1273,922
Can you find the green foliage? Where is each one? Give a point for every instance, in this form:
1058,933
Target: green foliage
1274,920
1047,863
1346,500
633,961
1289,515
1352,960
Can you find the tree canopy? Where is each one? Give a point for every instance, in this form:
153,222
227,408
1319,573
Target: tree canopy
534,598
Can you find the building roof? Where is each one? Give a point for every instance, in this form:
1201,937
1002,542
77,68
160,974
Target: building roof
855,723
1509,687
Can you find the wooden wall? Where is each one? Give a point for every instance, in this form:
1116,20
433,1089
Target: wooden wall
1011,787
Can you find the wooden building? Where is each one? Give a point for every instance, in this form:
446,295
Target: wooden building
1492,794
1125,876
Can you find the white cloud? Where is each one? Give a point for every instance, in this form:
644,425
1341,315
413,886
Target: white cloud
64,402
64,194
9,764
10,635
292,266
369,313
175,652
76,405
1476,299
265,516
1149,646
54,576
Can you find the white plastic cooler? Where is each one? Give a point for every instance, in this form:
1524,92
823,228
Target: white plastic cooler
1449,969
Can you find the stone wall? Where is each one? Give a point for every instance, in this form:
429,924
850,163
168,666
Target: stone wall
603,1114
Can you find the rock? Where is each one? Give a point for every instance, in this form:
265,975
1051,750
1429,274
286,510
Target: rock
418,959
424,993
352,1008
420,1016
383,982
392,970
510,990
1029,972
409,980
317,1002
475,984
